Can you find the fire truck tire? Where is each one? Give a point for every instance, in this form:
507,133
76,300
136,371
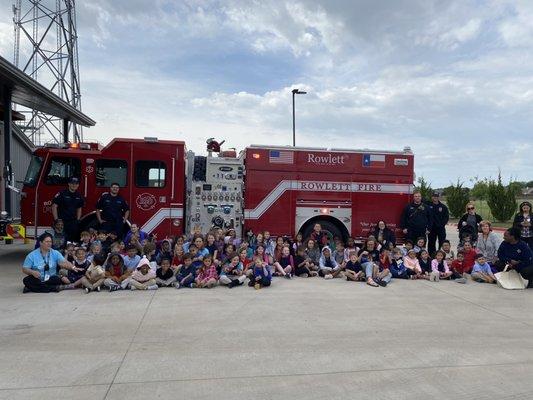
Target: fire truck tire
327,226
199,168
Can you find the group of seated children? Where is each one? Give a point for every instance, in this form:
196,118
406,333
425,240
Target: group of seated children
204,261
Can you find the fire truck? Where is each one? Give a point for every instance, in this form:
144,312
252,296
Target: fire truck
172,191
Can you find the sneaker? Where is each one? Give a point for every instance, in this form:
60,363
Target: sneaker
232,284
257,286
382,283
328,276
87,290
133,288
251,283
25,290
288,276
177,285
113,288
155,287
461,280
97,289
192,285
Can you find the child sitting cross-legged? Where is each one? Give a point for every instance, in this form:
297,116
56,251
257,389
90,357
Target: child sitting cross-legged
117,275
186,273
95,274
73,279
411,263
164,274
353,268
397,266
262,274
302,264
232,272
329,268
207,276
481,272
143,278
439,267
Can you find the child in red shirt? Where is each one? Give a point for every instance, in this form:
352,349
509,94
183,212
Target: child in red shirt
470,255
458,268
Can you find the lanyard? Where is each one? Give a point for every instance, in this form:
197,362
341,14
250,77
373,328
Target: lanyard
47,259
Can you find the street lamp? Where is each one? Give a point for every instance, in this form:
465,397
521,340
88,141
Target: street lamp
294,91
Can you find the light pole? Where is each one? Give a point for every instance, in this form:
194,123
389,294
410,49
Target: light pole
294,91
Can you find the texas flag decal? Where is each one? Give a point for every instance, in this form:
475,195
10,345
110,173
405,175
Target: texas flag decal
374,160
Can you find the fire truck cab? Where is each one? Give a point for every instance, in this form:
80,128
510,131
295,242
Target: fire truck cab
150,173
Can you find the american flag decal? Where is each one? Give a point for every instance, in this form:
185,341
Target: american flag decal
280,157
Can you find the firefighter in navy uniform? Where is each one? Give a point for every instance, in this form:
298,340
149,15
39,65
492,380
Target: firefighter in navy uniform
416,219
440,216
112,210
67,206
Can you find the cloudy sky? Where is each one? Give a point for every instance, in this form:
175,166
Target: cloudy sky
451,79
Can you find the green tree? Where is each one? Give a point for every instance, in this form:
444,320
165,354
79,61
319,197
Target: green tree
502,199
480,189
456,198
424,187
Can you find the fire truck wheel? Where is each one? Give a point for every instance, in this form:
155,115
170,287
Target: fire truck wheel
327,226
199,168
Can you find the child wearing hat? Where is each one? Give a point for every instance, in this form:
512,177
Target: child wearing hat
328,267
143,278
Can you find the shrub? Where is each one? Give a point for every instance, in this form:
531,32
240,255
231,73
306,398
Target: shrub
425,188
456,198
502,199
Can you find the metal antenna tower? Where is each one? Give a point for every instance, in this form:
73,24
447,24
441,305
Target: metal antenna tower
46,48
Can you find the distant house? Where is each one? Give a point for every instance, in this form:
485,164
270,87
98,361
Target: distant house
527,192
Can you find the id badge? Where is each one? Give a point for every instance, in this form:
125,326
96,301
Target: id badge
46,277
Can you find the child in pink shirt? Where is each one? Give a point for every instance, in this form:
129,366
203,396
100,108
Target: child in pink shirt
411,262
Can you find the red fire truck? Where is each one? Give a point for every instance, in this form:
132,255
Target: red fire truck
284,190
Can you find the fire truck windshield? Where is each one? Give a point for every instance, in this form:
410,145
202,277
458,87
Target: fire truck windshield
33,171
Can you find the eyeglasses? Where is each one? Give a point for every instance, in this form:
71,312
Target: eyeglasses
470,208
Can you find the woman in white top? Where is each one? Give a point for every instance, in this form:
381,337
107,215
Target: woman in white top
488,242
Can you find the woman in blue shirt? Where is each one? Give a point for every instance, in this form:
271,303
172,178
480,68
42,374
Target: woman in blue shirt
41,267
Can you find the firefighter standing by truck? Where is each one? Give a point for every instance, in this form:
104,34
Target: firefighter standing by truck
67,206
416,219
112,210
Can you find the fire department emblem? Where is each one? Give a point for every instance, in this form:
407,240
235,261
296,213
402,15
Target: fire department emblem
89,169
145,201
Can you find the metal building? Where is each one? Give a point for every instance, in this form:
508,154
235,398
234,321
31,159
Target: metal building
16,87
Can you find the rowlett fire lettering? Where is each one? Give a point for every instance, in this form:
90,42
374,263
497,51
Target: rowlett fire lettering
339,186
329,159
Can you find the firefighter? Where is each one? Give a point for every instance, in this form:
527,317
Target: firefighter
67,206
440,216
112,211
416,219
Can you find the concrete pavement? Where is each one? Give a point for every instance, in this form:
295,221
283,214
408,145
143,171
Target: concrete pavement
304,339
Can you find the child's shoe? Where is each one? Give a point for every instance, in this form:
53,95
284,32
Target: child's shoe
257,286
87,290
133,287
155,287
328,276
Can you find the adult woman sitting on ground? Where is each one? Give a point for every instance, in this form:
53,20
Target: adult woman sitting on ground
523,221
383,234
469,223
488,242
41,267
